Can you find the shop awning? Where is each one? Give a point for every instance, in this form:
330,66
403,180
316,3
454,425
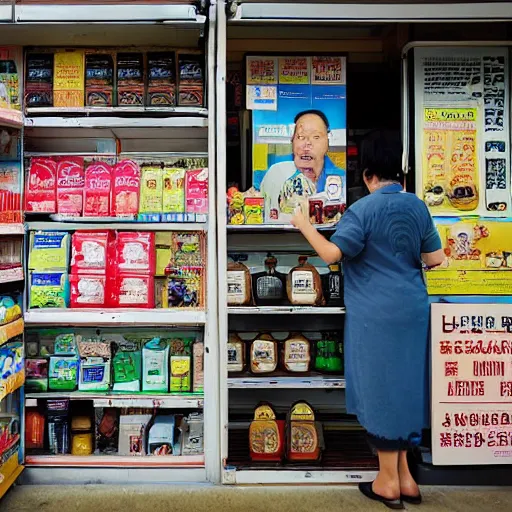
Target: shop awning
335,12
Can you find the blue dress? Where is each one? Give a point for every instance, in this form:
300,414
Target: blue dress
382,237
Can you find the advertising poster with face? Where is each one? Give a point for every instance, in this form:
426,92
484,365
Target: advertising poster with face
299,135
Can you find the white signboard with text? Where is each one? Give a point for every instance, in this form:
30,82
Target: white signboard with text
471,384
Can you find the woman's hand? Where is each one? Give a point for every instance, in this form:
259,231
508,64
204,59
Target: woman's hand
299,220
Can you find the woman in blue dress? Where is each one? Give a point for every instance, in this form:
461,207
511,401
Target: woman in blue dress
383,239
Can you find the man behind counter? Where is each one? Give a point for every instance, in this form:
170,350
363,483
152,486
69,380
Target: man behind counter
310,143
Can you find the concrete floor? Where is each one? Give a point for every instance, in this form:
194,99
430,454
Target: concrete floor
206,498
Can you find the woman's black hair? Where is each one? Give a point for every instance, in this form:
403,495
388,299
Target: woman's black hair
314,112
381,155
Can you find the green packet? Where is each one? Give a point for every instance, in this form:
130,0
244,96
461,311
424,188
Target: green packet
49,290
49,250
127,365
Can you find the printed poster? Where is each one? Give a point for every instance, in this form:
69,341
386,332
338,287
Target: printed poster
305,163
471,384
478,258
454,82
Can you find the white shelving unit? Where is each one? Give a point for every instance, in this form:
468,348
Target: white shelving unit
310,382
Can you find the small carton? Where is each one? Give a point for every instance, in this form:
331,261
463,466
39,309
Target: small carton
70,185
98,182
41,192
126,188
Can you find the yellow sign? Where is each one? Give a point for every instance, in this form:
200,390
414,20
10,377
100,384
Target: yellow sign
69,79
469,282
294,70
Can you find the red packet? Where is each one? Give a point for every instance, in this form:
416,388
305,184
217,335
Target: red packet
136,252
98,181
70,185
41,193
135,291
88,291
90,252
196,191
126,185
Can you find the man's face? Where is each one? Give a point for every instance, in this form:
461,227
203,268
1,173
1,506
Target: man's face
310,144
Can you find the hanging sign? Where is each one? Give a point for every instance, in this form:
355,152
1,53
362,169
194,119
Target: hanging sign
471,384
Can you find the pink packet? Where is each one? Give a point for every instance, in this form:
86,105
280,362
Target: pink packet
126,185
196,191
41,193
90,252
70,185
88,291
136,252
98,181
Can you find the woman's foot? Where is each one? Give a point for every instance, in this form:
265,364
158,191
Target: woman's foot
409,489
386,486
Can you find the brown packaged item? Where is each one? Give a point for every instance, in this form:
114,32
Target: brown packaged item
263,354
302,443
296,353
266,435
304,285
239,284
236,353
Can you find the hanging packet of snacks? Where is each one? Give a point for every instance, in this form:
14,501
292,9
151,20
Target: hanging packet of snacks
41,189
97,191
70,185
126,189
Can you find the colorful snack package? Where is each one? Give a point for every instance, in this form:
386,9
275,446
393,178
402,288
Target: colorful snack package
150,205
136,252
49,290
173,200
130,79
36,375
98,182
88,291
41,192
196,191
136,291
90,251
126,188
161,79
155,366
191,80
63,373
49,250
70,185
39,80
127,366
99,80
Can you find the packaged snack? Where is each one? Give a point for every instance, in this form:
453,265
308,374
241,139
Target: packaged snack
239,284
107,430
174,191
181,365
130,79
161,79
89,252
269,287
48,250
136,252
151,192
88,290
304,285
127,363
329,354
266,435
39,80
65,344
334,286
296,354
196,191
236,354
131,433
82,443
155,366
254,210
98,181
191,80
36,375
184,287
235,204
134,290
68,78
303,443
198,363
126,187
70,185
263,354
95,358
63,373
99,80
34,429
187,249
49,290
41,191
161,435
192,440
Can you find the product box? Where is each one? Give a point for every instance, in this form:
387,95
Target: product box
41,189
135,291
131,433
161,435
155,366
63,373
126,189
65,344
39,80
99,80
88,291
49,290
161,79
94,374
90,251
191,80
130,79
151,190
98,183
48,250
196,191
69,78
135,252
36,375
70,186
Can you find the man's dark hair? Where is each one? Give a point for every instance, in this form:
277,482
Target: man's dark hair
381,155
314,112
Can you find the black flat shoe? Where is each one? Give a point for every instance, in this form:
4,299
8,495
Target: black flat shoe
367,490
413,500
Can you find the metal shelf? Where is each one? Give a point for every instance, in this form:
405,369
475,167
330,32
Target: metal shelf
126,400
103,223
271,228
11,275
148,112
115,461
12,229
285,310
315,382
10,118
115,317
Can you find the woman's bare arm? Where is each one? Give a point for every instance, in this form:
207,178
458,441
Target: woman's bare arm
433,259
